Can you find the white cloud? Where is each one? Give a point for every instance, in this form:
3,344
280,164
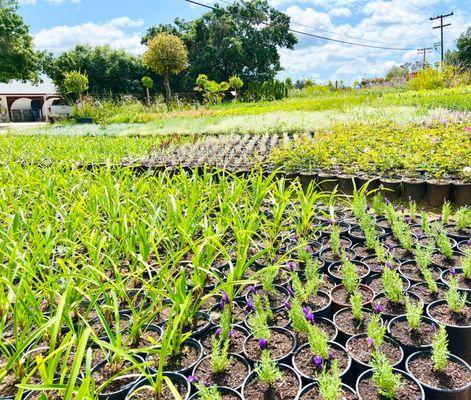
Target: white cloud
340,12
117,33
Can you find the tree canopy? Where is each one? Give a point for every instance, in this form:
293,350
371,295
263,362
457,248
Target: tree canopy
18,59
240,39
109,71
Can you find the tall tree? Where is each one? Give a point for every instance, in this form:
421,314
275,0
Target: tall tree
18,59
241,39
461,57
166,54
110,71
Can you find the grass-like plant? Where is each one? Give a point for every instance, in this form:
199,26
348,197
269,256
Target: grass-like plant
440,349
414,312
463,218
386,381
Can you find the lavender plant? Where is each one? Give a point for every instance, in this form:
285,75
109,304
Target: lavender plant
440,350
350,280
220,359
313,281
466,265
335,239
463,218
267,371
318,342
386,381
455,300
356,302
444,244
376,331
208,392
413,313
392,285
330,382
446,212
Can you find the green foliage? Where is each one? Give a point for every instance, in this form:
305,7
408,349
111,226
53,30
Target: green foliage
268,91
259,319
242,38
213,91
147,82
376,330
298,320
386,381
423,256
111,72
335,239
350,280
392,285
356,302
236,83
267,371
220,360
454,298
76,82
466,264
440,349
318,342
429,280
444,244
330,383
463,218
208,392
446,212
18,60
313,281
427,79
414,312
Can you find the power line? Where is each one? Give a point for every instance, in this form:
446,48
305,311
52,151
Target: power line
441,26
424,52
319,36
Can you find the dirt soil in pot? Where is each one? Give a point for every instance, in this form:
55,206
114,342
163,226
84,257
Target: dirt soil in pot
408,391
233,377
279,344
403,333
285,389
360,349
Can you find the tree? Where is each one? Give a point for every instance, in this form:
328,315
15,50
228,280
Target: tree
243,38
147,82
110,71
18,59
236,83
213,91
76,82
166,54
463,45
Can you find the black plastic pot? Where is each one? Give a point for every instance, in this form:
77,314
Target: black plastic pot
391,188
346,183
123,392
343,336
444,278
174,377
337,306
432,393
327,181
426,302
196,334
338,280
384,315
285,357
278,288
462,193
359,367
313,385
406,282
212,331
464,245
235,356
414,189
367,375
282,367
410,279
437,192
372,181
310,379
408,349
222,391
190,342
459,337
307,178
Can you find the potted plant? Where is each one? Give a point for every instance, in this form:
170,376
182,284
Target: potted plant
215,393
335,252
462,275
443,375
461,229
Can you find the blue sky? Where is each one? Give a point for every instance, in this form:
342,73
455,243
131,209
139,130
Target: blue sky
58,25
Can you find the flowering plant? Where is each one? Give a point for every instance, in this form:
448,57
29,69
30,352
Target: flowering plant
267,371
393,285
440,349
413,313
384,378
455,300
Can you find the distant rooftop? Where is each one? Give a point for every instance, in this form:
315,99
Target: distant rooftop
17,87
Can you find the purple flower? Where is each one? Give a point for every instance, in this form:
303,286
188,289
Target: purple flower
287,305
386,200
452,271
378,308
389,265
318,362
224,300
308,314
295,238
192,379
291,265
218,331
367,208
331,355
371,342
263,343
252,289
231,333
290,291
468,242
250,306
468,129
434,326
407,219
308,248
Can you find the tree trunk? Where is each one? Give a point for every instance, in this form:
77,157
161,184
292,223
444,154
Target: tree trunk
148,97
168,91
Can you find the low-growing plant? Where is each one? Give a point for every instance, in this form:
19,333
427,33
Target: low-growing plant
350,280
356,302
429,280
220,359
446,212
318,342
423,256
376,331
313,281
386,381
335,239
463,218
444,244
440,349
330,382
267,370
466,264
392,285
298,318
259,319
455,299
414,312
208,392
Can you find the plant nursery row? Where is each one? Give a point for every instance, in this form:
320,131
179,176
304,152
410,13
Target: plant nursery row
211,286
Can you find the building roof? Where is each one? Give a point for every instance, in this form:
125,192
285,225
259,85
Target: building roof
18,88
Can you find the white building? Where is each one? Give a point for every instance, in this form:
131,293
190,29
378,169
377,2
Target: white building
24,102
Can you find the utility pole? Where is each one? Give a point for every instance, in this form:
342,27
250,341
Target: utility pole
424,53
441,26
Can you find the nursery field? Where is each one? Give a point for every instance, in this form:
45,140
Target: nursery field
177,284
236,253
